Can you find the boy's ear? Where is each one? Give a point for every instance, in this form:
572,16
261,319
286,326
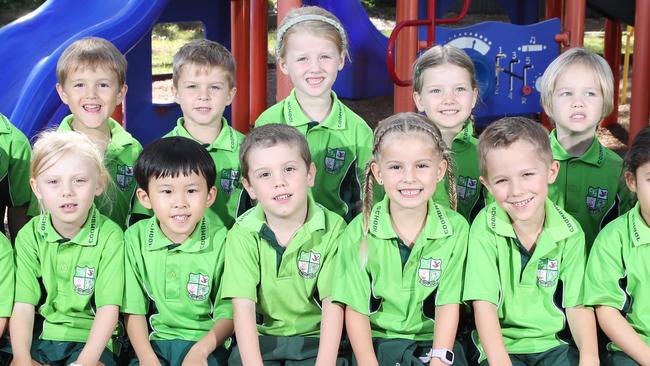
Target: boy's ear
122,94
231,95
34,186
212,195
474,97
143,197
630,180
283,65
553,170
311,175
249,188
485,184
62,93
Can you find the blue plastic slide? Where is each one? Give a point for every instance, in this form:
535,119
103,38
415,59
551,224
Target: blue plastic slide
31,46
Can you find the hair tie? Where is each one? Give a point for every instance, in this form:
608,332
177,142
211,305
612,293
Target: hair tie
303,18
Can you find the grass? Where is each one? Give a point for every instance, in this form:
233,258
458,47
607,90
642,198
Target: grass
595,42
167,39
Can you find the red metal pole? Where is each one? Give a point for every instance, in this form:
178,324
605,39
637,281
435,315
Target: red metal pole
553,9
259,51
240,24
575,21
406,50
640,106
282,82
612,54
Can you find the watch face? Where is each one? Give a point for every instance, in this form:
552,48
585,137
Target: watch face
449,356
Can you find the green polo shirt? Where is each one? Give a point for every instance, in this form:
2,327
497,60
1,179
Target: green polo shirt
464,152
590,187
79,275
340,145
617,271
121,154
7,279
287,283
183,280
524,285
224,150
15,157
400,287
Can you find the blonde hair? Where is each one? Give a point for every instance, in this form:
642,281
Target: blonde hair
92,52
328,27
578,56
205,54
507,131
440,55
51,146
408,123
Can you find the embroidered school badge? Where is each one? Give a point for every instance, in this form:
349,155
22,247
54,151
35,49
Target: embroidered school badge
466,187
124,176
596,199
84,280
429,271
229,180
309,264
334,160
198,286
547,270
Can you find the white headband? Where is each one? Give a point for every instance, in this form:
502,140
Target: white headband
303,18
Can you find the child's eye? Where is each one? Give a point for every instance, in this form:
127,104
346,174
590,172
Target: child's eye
529,174
215,87
104,85
264,175
192,190
78,85
435,91
302,59
80,180
565,94
290,169
499,181
590,94
461,89
52,181
394,167
190,86
165,191
422,165
326,57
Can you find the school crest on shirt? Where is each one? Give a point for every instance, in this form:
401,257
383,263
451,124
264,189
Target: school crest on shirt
466,187
429,271
198,286
334,160
124,176
84,280
596,199
229,180
547,270
309,264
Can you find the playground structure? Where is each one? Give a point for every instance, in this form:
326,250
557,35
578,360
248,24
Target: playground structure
35,42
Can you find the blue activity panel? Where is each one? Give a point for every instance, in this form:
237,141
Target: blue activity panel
509,61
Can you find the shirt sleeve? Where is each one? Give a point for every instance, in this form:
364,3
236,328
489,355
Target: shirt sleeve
135,299
572,269
482,273
20,155
451,282
241,273
7,277
327,272
109,289
28,268
222,307
604,271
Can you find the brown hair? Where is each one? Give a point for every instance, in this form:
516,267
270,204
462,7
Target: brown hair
271,135
205,54
440,55
509,130
639,152
92,52
336,34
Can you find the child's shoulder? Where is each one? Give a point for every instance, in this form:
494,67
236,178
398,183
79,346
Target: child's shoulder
122,138
273,114
12,132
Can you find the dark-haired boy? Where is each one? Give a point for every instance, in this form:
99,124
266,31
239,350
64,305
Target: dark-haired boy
175,259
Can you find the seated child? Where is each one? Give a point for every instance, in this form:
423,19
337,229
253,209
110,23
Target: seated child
522,247
279,257
91,74
15,155
617,270
174,260
72,252
401,261
577,93
311,48
204,85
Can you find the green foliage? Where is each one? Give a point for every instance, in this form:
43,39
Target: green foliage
167,39
20,4
379,3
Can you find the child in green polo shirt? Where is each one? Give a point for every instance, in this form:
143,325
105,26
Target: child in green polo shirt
15,154
401,261
522,247
616,280
72,252
279,257
444,88
6,284
577,93
311,48
91,74
174,260
204,85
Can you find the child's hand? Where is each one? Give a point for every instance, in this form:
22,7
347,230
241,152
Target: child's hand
195,357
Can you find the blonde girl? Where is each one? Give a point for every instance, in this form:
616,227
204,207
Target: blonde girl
75,252
401,261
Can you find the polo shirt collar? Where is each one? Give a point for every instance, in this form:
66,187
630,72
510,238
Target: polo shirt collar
197,241
255,219
637,227
225,140
87,236
436,223
119,137
295,117
5,125
595,155
465,136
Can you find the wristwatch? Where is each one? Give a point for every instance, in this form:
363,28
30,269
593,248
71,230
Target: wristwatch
443,354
